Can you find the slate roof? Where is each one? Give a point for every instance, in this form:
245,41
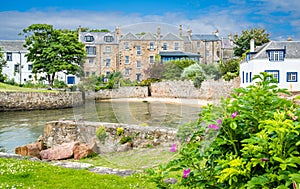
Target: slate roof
12,45
148,37
99,37
178,53
205,37
129,36
171,37
292,49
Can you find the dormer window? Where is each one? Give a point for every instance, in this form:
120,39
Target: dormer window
88,38
276,55
108,39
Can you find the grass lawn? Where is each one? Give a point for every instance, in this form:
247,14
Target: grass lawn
11,88
16,173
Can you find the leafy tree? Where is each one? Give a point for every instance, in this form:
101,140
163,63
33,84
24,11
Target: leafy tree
183,63
230,69
2,63
171,71
53,50
155,70
242,42
99,30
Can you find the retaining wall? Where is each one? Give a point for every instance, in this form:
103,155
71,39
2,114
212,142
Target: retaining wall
11,101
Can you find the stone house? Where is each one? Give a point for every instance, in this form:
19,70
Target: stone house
17,67
279,58
133,53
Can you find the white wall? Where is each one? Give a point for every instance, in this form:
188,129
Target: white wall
260,65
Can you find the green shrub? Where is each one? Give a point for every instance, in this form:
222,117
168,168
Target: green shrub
101,133
120,131
248,141
126,139
59,84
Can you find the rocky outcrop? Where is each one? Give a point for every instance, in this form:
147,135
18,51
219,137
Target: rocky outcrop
82,151
32,150
63,151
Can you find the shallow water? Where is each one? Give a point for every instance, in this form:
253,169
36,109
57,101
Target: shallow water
24,127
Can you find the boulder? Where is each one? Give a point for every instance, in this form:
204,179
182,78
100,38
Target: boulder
32,150
63,151
82,151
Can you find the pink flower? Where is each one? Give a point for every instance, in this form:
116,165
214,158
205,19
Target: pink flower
294,185
234,115
264,159
173,148
214,127
186,173
219,121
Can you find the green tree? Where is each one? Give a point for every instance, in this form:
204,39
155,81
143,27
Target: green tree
242,42
52,50
171,71
230,69
2,63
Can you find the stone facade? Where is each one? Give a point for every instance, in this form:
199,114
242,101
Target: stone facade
132,53
59,132
11,101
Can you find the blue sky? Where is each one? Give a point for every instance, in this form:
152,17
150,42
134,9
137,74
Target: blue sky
281,18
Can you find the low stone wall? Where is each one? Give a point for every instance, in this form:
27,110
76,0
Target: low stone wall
210,90
122,92
12,101
59,132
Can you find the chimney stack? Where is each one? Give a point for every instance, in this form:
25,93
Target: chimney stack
158,32
118,32
180,30
252,47
189,32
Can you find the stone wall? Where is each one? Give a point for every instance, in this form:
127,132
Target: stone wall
65,131
122,92
210,90
11,101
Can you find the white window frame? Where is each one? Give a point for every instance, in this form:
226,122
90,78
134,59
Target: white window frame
127,60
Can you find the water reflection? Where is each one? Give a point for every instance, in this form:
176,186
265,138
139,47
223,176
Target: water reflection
19,128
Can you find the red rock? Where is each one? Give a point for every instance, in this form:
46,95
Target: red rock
32,150
82,151
63,151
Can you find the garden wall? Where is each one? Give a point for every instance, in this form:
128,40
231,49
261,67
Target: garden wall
122,92
133,136
209,90
11,101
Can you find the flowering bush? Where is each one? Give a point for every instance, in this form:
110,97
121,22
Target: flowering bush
249,141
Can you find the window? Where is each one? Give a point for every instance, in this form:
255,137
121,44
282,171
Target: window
151,46
165,47
91,50
207,45
246,77
291,77
107,74
276,56
107,62
17,68
127,71
176,46
70,80
93,73
250,77
9,56
139,77
87,74
29,66
107,49
138,50
138,64
151,59
198,44
88,38
275,74
243,77
126,59
126,46
207,53
108,39
91,60
30,76
248,56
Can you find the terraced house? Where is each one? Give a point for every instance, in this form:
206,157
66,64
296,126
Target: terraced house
132,53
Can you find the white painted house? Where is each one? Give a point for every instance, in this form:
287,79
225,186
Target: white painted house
279,58
18,68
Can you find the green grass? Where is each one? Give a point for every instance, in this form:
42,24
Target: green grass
11,88
138,159
16,173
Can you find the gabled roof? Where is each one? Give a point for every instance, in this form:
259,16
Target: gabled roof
148,37
129,36
205,37
291,48
171,37
12,45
